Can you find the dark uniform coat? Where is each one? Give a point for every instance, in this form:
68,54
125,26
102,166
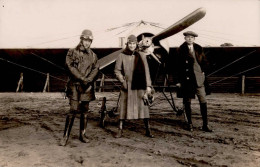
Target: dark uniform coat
81,64
186,74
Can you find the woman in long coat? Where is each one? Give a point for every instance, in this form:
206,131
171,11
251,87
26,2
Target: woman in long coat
132,71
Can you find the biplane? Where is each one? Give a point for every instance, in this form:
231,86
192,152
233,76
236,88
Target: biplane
156,45
157,50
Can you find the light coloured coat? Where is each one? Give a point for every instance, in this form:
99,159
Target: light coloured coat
131,102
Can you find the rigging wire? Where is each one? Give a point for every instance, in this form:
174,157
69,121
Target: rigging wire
49,62
231,63
53,41
205,43
236,74
124,25
60,39
31,69
220,33
207,39
214,37
215,32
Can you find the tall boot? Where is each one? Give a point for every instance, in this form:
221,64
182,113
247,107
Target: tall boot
204,112
120,129
148,132
68,126
188,114
82,129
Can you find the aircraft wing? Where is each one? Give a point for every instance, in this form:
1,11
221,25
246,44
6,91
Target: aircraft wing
109,59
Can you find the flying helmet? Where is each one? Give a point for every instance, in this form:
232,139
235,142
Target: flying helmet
131,38
86,34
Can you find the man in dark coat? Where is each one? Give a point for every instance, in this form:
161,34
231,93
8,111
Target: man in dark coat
83,70
192,65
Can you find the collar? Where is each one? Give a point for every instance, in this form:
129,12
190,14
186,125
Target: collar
128,52
191,48
81,48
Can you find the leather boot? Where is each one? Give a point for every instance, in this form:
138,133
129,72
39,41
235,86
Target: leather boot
120,130
82,129
187,106
204,112
148,132
68,126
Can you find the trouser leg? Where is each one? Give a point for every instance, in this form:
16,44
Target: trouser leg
203,108
187,105
69,121
84,107
120,129
68,126
148,132
204,114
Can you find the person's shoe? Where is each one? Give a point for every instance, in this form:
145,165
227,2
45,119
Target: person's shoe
63,141
83,138
149,134
83,126
190,127
119,133
206,129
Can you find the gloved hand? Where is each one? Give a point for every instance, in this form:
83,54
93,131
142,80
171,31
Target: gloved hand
148,96
178,85
85,81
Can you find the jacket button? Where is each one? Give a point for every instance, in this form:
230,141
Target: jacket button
187,61
188,78
187,69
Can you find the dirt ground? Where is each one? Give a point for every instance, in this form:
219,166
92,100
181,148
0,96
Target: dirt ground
31,125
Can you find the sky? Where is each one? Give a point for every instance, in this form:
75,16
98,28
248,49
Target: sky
58,23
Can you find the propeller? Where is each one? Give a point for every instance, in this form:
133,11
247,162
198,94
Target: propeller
181,24
148,47
147,43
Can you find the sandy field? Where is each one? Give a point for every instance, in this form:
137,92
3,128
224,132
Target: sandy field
32,124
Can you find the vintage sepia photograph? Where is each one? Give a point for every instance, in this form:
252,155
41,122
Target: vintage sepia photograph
140,83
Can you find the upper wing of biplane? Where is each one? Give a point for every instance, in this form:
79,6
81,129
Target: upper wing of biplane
149,42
